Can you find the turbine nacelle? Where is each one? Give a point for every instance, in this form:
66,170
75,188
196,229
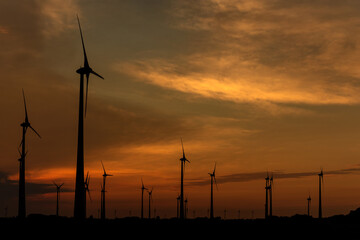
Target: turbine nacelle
86,70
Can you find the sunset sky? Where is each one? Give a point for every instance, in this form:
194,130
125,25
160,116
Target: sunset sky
255,86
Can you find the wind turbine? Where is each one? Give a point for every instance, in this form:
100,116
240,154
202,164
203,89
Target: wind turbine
186,207
103,192
86,184
150,198
57,197
183,160
271,184
142,198
321,181
177,206
267,187
308,205
25,125
80,190
212,180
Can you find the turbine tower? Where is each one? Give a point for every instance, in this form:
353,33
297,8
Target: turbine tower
212,180
183,160
57,197
321,181
308,205
25,125
80,190
142,198
103,192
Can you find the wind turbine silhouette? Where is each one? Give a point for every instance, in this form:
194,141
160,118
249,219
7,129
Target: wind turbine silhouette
142,198
86,184
308,205
80,189
271,184
212,179
183,160
150,198
177,206
103,192
321,181
25,125
267,187
57,197
186,208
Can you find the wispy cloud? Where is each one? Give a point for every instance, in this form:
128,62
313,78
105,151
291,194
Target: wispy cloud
58,16
268,51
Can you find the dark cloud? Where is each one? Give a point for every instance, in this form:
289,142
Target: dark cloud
246,177
10,189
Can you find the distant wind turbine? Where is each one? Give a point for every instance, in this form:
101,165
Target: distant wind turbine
321,181
267,187
183,160
142,198
86,184
308,205
178,206
212,180
186,208
150,198
271,185
103,192
25,125
80,189
57,197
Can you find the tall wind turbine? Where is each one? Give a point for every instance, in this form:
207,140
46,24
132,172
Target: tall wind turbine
270,193
267,187
186,208
80,191
212,180
150,198
103,192
183,160
25,125
57,197
177,206
308,205
321,181
142,198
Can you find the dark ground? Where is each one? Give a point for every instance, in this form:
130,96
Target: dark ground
295,227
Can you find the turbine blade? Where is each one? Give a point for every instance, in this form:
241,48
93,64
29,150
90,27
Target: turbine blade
89,194
103,167
35,131
26,115
96,74
86,64
182,145
214,168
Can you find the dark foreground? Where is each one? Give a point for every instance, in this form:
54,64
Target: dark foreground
296,227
